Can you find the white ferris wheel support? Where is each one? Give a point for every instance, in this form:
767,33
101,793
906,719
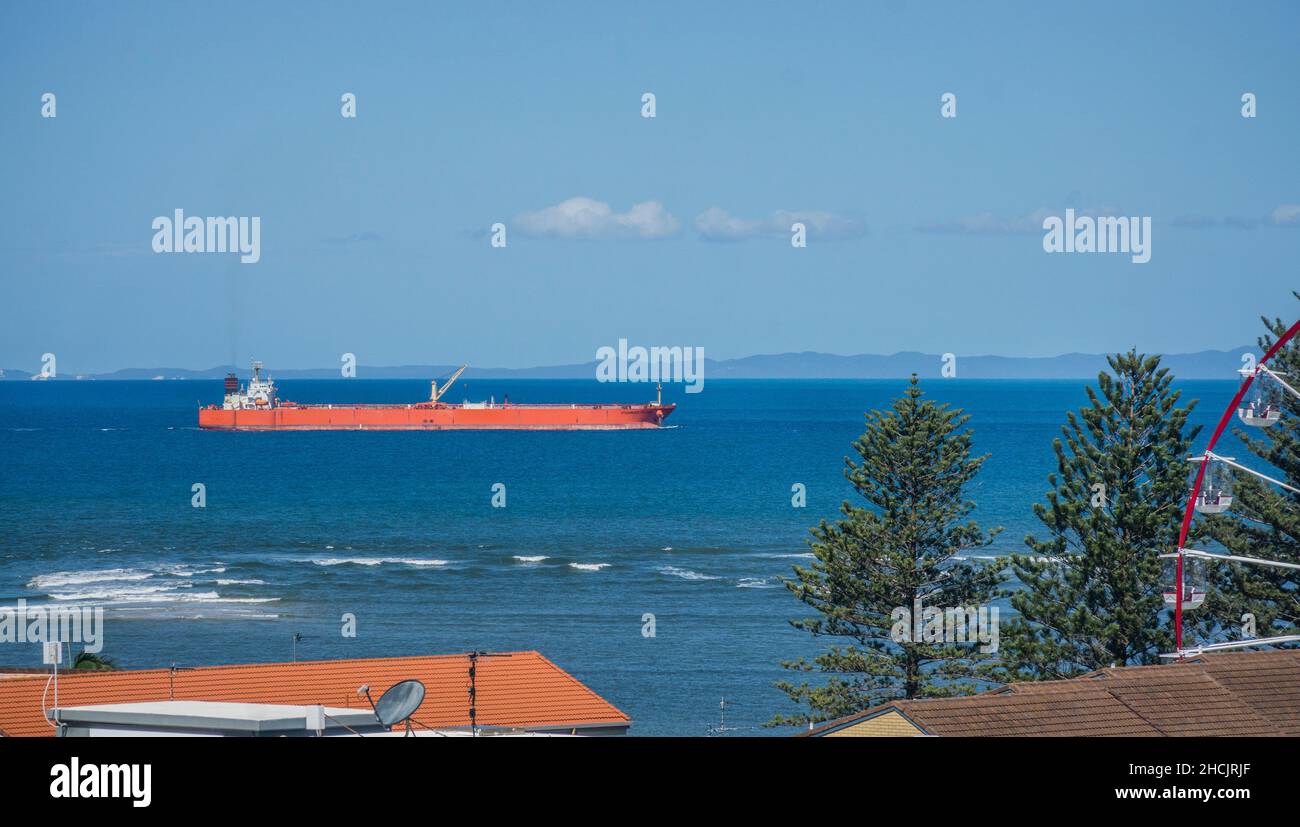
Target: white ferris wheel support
1277,377
1229,558
1193,651
1229,461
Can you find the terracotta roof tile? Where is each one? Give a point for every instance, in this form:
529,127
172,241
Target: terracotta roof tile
523,689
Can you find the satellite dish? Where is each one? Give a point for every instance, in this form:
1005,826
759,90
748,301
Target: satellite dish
399,703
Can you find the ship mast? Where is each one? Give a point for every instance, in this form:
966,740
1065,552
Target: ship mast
435,392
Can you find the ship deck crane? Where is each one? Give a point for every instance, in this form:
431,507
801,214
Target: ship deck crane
435,392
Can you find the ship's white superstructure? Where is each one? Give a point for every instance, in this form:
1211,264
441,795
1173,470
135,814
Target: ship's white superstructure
258,394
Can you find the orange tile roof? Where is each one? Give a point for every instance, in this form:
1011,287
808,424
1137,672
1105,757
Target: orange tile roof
1226,693
523,689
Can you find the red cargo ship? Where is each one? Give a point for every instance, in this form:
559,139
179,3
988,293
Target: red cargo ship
257,408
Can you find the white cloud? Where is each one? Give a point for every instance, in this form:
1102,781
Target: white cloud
1286,215
716,224
986,223
591,219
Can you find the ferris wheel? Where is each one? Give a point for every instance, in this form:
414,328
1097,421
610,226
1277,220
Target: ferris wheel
1258,404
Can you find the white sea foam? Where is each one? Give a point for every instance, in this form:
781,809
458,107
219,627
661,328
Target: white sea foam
686,574
81,578
535,558
152,595
136,589
128,594
184,571
754,583
93,591
589,566
342,561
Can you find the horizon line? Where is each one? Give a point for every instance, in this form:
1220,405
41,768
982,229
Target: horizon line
160,371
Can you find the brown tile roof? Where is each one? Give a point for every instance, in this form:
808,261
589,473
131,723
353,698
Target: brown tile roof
1082,712
1187,703
522,690
1226,693
1270,684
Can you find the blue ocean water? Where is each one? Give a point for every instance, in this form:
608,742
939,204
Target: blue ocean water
692,524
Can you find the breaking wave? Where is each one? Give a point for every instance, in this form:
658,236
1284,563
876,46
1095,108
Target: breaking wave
139,589
373,561
81,578
686,574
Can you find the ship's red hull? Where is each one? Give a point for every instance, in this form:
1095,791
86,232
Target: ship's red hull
435,418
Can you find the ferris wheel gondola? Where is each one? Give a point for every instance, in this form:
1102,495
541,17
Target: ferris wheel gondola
1262,407
1215,493
1194,582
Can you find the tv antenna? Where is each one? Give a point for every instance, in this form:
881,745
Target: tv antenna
722,728
171,679
398,704
473,686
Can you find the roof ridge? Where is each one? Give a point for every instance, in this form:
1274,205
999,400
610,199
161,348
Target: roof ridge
213,666
210,667
1130,708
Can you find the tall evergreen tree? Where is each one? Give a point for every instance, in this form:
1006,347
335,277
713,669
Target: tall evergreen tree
1091,592
902,547
1264,522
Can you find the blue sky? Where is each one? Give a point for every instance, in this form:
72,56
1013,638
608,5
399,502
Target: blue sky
374,230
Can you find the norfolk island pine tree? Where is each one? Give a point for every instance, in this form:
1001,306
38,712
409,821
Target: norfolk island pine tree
906,543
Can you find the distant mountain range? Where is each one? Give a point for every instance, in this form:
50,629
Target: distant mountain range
1207,364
